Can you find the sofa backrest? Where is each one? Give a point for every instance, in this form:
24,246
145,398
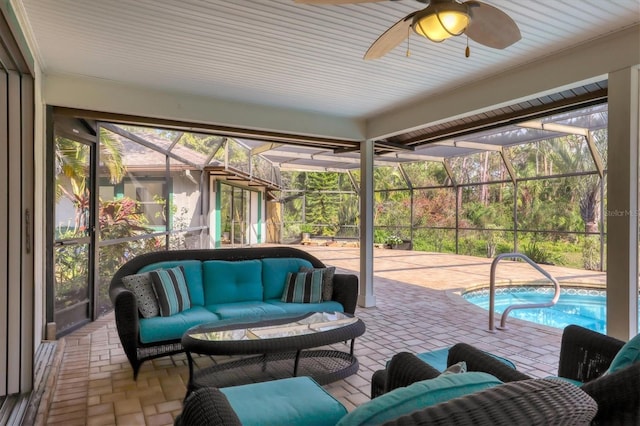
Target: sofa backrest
226,281
239,286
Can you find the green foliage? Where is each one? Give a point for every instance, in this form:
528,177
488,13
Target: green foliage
540,254
393,240
322,206
591,253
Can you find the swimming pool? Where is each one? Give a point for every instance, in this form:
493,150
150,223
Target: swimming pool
582,306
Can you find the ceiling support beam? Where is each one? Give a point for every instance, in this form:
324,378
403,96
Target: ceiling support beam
416,157
468,145
119,131
354,183
554,127
394,146
595,154
222,142
449,170
265,147
509,166
305,168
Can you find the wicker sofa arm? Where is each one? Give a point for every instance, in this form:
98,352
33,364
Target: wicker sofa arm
617,395
478,360
586,354
406,368
125,308
345,291
207,406
530,402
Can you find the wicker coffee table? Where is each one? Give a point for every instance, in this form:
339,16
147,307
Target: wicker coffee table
281,345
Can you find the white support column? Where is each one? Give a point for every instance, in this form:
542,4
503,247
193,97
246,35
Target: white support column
366,298
622,203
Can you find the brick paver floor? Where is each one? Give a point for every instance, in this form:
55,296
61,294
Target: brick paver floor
418,309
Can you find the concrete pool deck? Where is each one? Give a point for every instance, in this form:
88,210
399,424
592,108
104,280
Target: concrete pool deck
418,309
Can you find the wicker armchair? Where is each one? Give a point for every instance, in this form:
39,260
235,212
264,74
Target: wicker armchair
584,356
531,402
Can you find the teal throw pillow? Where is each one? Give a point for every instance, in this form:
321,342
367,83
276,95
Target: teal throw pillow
628,354
327,280
140,285
402,401
303,287
171,290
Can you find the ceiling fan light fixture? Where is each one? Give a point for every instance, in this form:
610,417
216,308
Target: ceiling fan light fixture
439,21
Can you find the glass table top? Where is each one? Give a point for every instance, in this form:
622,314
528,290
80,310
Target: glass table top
300,325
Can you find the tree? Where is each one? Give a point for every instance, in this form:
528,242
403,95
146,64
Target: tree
322,206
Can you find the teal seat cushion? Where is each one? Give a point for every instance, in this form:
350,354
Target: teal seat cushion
228,282
274,274
303,308
295,401
157,329
192,274
628,354
245,310
419,395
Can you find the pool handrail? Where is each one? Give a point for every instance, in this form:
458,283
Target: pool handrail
492,290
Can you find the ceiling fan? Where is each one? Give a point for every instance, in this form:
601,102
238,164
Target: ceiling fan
441,19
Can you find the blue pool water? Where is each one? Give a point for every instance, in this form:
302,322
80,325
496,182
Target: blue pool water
581,306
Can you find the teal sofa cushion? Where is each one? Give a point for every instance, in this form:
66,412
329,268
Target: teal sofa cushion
274,274
627,355
303,308
419,395
157,329
228,281
295,401
192,273
245,310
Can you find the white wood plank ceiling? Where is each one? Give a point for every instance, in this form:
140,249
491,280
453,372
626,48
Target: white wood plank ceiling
278,53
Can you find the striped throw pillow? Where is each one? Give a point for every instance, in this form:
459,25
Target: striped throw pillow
303,287
170,288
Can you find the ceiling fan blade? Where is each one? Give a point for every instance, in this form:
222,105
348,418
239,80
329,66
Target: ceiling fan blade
390,38
335,1
490,26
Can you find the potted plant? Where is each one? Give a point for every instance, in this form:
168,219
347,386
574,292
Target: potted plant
393,241
306,229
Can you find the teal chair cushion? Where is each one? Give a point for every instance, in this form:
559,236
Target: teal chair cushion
192,274
294,401
228,282
628,354
274,274
416,396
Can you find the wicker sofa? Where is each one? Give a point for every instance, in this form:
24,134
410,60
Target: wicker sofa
585,356
224,284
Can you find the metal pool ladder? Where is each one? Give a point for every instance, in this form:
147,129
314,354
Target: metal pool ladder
492,291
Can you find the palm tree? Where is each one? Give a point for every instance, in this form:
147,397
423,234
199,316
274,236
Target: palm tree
72,171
